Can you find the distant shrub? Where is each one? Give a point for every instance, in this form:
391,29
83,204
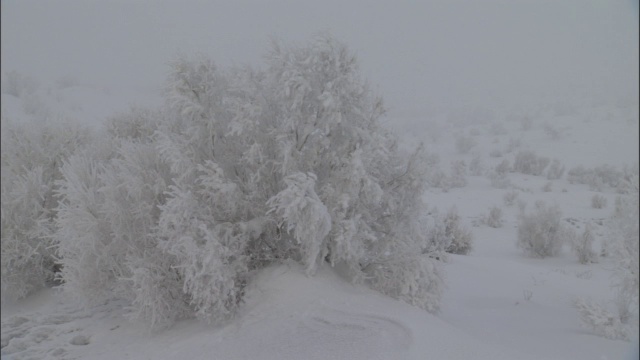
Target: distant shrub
599,177
497,129
526,123
499,180
16,84
526,162
510,197
598,201
447,234
475,166
464,144
513,144
551,131
493,218
601,320
495,153
503,167
555,170
458,177
540,234
582,246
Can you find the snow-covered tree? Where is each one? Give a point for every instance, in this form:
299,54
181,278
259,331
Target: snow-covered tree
240,169
32,153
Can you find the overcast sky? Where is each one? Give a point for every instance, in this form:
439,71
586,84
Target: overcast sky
417,54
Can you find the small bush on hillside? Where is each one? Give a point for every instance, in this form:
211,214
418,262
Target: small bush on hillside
458,177
600,177
510,197
464,144
499,180
555,170
583,246
447,234
598,201
602,321
475,166
540,233
493,218
503,168
16,84
526,162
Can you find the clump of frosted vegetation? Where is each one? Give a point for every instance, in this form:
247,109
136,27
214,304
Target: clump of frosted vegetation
499,180
503,168
598,201
510,197
464,144
493,218
623,237
32,153
582,246
527,162
458,177
553,132
447,234
526,123
513,145
240,169
540,233
555,170
604,176
475,166
17,84
497,128
548,187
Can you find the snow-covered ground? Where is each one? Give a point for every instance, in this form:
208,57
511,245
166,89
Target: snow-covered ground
498,303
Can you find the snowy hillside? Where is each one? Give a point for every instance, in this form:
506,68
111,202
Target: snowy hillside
147,198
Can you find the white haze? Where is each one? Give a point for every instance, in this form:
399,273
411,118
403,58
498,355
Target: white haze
420,56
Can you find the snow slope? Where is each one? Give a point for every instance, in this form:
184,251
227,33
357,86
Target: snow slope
498,303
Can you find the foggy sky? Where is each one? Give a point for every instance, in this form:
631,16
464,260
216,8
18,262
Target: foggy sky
416,54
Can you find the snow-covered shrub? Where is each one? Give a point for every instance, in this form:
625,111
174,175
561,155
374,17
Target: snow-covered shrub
17,84
548,187
510,197
242,168
527,162
493,218
496,153
464,144
598,201
32,153
540,233
475,166
449,235
555,170
583,246
601,320
553,132
513,144
503,168
526,123
598,177
499,180
497,128
458,176
623,243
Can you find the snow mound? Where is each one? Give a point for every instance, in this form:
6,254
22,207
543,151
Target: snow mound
287,315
